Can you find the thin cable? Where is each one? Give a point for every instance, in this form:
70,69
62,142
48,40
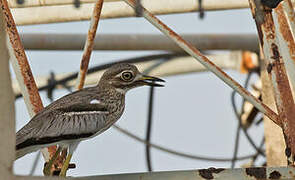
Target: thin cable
240,126
149,129
177,153
236,147
237,139
150,115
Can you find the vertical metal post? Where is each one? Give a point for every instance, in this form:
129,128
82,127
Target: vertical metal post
276,71
22,69
274,139
7,114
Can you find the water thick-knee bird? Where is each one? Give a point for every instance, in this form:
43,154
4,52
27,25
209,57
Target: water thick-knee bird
82,114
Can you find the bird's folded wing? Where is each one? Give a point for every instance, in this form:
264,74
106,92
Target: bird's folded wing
71,122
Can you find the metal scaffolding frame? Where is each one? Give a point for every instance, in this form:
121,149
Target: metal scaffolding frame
277,46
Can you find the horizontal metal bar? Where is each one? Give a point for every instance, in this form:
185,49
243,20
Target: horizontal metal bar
66,13
208,3
210,173
140,42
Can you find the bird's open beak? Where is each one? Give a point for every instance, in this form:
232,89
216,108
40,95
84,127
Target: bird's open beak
151,81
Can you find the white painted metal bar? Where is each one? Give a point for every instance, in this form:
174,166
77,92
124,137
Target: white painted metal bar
66,13
33,3
7,112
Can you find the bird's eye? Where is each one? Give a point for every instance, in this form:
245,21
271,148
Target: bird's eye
127,76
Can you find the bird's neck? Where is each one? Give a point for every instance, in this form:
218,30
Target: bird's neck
114,99
106,87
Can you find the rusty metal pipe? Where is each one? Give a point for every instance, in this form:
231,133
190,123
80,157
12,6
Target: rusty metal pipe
270,40
207,63
89,44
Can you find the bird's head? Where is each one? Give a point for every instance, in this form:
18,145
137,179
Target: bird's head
124,76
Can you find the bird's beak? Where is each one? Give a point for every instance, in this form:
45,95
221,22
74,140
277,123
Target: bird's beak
151,81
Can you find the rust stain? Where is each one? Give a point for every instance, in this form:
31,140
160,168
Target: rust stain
259,173
285,30
209,173
269,68
275,175
288,152
275,51
89,42
19,52
290,5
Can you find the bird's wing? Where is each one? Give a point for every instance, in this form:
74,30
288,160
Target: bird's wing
70,122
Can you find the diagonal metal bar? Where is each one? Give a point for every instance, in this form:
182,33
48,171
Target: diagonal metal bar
206,62
23,71
89,43
272,51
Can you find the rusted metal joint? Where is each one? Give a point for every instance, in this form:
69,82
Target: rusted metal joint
271,3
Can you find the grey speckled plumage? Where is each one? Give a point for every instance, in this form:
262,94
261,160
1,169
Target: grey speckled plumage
82,114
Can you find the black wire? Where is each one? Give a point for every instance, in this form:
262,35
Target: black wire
260,147
240,126
165,57
236,147
149,129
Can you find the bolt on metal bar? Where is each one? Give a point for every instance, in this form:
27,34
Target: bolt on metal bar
206,62
272,50
23,71
89,44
